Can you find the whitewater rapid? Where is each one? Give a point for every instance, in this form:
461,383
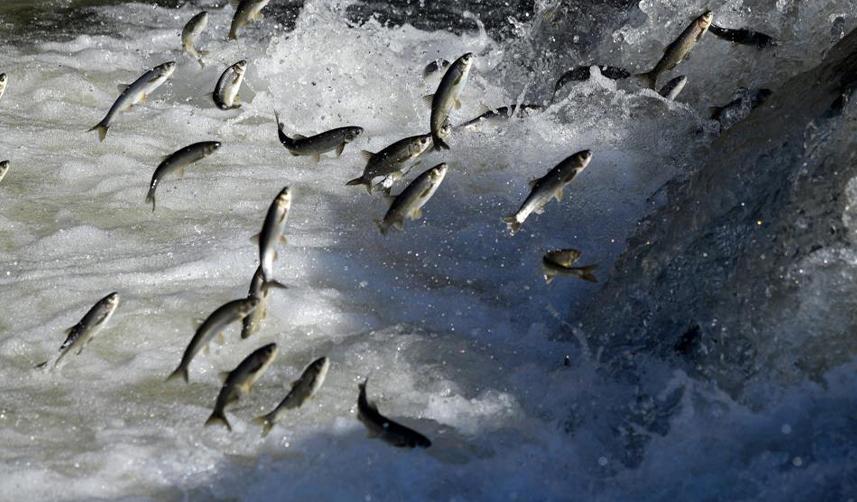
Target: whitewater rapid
451,319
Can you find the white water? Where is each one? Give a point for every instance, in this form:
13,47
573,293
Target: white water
450,319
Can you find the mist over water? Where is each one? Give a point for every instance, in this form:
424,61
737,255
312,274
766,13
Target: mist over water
745,234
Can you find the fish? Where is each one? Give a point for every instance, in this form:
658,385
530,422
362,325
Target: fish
446,97
214,324
225,93
190,32
744,36
560,263
246,11
314,146
238,382
583,72
435,66
177,161
272,232
4,168
259,289
736,110
389,431
678,51
673,88
392,159
138,91
409,203
3,81
82,333
302,389
503,113
548,187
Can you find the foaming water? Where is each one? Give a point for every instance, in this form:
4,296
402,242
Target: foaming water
451,319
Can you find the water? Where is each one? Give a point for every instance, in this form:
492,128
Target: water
451,319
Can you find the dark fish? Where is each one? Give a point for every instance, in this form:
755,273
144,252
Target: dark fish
581,73
744,36
503,113
738,109
378,425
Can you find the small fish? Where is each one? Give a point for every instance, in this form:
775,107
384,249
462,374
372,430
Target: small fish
583,72
739,108
503,113
141,89
3,82
4,168
177,161
392,159
673,88
190,32
409,203
302,389
238,382
744,36
79,335
378,425
259,289
225,93
272,232
213,325
314,146
246,11
560,263
677,51
446,98
435,66
548,187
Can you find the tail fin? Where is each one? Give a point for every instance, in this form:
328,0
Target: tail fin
217,417
586,273
361,181
181,371
150,197
649,79
266,424
102,131
512,224
382,226
439,144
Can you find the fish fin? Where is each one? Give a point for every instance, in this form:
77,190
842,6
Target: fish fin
428,98
254,238
294,154
558,195
275,284
649,79
266,424
586,273
122,87
298,136
218,418
143,98
181,172
316,157
417,214
366,154
150,197
284,240
512,224
549,276
457,104
361,181
182,372
533,182
102,131
222,376
439,144
382,226
339,149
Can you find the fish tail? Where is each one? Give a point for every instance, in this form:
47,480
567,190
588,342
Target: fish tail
586,273
266,423
382,226
217,417
361,181
512,224
439,144
649,79
182,372
150,198
102,130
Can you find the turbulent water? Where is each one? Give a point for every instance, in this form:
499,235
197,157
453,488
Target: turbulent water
717,362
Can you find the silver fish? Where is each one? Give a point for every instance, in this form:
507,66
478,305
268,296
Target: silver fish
302,389
177,161
446,97
560,263
272,232
246,11
548,187
238,382
3,81
392,159
79,335
4,168
141,89
677,51
378,425
673,88
190,32
409,203
314,146
225,93
260,290
213,325
502,113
